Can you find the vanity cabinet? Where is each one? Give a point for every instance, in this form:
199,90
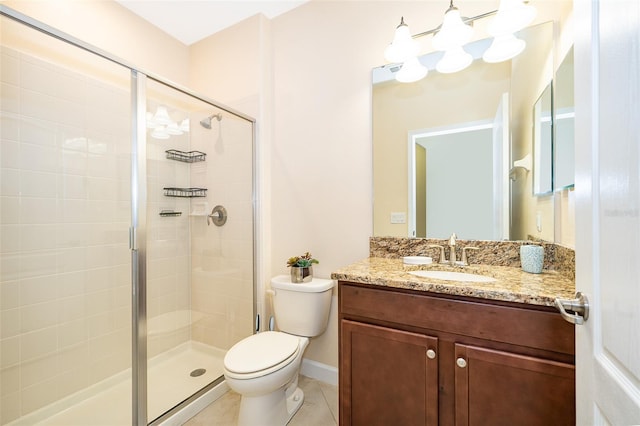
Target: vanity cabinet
415,358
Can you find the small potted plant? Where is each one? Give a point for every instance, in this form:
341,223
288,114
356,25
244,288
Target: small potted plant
301,268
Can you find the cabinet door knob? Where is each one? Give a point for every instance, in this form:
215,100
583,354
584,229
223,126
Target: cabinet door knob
461,362
431,354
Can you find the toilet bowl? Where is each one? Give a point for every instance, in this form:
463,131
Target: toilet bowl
263,368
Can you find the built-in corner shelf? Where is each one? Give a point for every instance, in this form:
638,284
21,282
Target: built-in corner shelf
185,192
185,156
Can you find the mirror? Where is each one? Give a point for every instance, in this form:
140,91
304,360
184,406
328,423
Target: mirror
542,143
500,96
564,113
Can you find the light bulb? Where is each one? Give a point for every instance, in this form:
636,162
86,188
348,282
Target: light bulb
412,70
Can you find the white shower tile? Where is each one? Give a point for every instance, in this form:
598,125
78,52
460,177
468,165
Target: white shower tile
70,382
10,381
10,352
38,316
70,86
73,259
71,308
10,406
72,235
38,210
10,153
70,113
37,237
72,186
38,370
38,343
72,333
38,132
9,295
99,188
38,105
37,77
74,162
9,183
72,138
71,284
9,267
38,264
37,396
97,280
74,211
74,358
100,211
38,184
42,158
9,239
10,98
10,69
10,325
10,127
38,290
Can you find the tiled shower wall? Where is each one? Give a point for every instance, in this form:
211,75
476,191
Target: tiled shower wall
65,214
222,257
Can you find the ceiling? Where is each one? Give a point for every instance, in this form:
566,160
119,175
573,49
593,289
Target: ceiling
192,20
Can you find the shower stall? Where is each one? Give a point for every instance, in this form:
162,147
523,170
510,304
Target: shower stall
126,235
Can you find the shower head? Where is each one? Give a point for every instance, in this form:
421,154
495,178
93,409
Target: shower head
206,122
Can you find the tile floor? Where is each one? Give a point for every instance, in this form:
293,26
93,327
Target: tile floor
320,407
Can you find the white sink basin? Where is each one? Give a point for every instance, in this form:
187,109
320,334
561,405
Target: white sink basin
453,276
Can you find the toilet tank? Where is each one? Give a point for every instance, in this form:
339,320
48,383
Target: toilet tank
302,309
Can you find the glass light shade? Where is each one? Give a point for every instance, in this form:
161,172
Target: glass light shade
162,116
160,132
453,32
173,129
512,16
412,70
454,60
151,124
503,48
402,46
184,125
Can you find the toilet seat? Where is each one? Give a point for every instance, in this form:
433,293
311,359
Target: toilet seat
261,354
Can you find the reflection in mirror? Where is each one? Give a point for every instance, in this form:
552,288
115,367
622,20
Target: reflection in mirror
563,142
542,143
446,101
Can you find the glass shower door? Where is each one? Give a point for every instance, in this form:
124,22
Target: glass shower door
199,289
65,275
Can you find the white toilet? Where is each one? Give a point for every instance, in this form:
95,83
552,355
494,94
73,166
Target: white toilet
263,368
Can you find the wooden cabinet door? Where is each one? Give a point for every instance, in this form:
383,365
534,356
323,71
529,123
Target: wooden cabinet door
501,388
387,376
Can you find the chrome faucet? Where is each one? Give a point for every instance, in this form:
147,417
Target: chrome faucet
452,249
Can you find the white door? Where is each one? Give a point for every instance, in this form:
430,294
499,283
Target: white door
607,55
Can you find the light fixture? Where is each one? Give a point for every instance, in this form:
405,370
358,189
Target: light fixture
160,132
453,32
151,124
503,47
162,116
412,70
454,60
173,129
184,125
512,16
403,46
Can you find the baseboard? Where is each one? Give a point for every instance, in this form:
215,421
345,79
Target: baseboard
322,372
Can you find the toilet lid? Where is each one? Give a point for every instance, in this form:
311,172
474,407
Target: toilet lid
260,351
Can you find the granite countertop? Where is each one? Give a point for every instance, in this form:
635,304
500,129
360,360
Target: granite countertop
511,285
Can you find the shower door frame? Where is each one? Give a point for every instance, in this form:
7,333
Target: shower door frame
138,228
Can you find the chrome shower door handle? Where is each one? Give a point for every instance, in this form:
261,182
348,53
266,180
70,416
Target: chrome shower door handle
579,305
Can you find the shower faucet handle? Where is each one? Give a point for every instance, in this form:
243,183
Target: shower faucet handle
218,216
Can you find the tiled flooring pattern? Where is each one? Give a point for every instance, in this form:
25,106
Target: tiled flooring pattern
320,407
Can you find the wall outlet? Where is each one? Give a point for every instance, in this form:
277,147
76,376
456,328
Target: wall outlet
398,217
